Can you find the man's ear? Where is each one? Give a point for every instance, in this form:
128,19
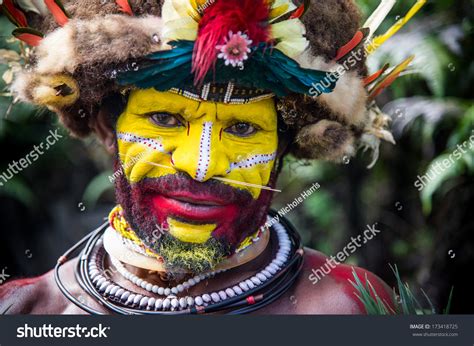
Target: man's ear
104,130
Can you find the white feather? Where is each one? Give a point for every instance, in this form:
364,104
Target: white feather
37,6
379,16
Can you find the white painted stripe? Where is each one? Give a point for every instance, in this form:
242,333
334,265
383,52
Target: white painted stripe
147,142
204,152
252,161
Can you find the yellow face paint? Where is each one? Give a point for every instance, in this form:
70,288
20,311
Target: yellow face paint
162,133
189,234
202,144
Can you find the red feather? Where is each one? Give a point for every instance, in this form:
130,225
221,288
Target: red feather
300,11
57,11
248,16
14,14
369,80
29,38
348,47
124,6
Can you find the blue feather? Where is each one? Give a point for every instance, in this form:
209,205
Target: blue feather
267,69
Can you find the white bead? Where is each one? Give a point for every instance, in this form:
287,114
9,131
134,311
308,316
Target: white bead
166,304
180,288
174,290
222,295
161,291
198,300
267,273
149,287
130,299
104,286
158,304
174,303
250,284
244,286
190,301
137,299
191,282
237,290
256,280
215,297
108,289
155,289
125,296
272,270
151,303
119,293
139,282
114,290
144,302
278,262
261,277
197,279
206,297
167,291
183,303
230,292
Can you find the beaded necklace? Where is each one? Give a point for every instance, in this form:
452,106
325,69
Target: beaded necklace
245,296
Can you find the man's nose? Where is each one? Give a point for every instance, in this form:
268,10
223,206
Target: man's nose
202,154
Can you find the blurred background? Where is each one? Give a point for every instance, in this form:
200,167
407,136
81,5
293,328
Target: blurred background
429,235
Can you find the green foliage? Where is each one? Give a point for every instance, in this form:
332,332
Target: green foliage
407,303
97,187
18,190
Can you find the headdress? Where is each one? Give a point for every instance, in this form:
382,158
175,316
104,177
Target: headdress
309,56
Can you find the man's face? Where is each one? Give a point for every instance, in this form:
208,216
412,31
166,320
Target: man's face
195,169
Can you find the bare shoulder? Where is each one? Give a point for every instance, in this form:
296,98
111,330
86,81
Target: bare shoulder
39,295
326,289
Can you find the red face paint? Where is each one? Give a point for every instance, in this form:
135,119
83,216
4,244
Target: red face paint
235,212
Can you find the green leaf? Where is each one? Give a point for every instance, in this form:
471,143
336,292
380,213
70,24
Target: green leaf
18,190
464,130
450,300
437,174
96,188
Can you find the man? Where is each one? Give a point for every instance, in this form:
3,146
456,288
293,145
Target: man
199,102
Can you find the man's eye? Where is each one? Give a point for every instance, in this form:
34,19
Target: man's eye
242,130
165,120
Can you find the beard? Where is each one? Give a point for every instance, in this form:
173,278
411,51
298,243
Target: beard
245,217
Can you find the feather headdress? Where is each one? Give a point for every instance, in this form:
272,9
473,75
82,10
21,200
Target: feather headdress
248,42
309,56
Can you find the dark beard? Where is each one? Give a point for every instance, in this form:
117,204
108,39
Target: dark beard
195,258
178,255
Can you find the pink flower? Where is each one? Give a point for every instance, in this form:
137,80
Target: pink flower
235,49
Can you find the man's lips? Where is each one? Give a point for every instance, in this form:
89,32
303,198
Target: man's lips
194,208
